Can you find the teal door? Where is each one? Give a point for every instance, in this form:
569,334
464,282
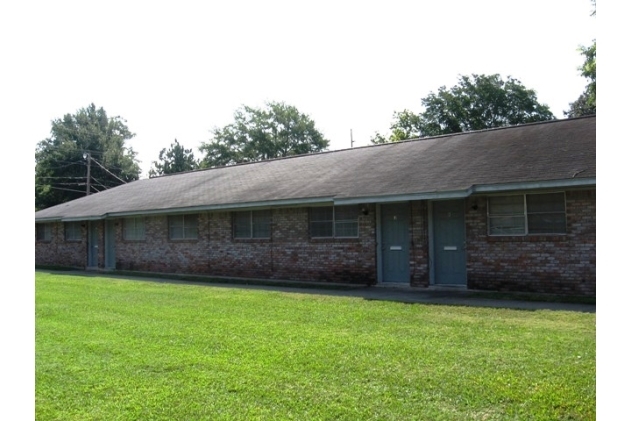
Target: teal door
93,244
395,243
110,245
450,261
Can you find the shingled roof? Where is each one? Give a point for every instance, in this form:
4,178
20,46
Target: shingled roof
559,153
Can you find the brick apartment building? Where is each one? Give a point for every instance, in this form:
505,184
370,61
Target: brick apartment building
508,209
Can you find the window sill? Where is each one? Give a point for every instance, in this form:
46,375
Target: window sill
334,240
251,240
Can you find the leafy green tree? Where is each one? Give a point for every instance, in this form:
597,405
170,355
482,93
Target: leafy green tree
477,102
175,159
586,102
257,134
405,125
61,160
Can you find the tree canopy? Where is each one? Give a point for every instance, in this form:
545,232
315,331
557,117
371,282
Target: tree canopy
586,102
88,136
274,131
477,102
174,160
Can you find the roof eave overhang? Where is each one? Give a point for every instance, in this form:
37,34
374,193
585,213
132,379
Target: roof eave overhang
315,201
476,189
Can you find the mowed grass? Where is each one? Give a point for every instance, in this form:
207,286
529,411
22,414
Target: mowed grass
116,349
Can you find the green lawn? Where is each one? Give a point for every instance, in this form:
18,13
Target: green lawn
112,349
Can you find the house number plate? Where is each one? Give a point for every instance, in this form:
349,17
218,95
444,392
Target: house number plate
396,248
451,248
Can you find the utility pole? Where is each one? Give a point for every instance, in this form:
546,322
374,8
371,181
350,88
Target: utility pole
87,156
352,141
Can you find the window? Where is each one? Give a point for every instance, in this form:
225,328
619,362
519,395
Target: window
334,222
542,213
251,224
72,231
183,227
134,228
43,232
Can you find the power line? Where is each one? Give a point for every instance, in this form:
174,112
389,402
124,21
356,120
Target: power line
59,188
106,170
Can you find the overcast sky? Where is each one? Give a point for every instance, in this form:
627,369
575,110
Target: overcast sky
176,70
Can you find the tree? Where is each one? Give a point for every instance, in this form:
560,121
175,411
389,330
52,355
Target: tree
477,102
586,102
257,134
175,159
405,125
87,137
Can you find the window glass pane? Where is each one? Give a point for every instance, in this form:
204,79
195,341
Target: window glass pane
346,213
322,214
507,225
552,202
346,229
43,232
183,226
134,228
72,231
546,213
321,229
261,224
546,223
190,226
242,225
190,232
506,205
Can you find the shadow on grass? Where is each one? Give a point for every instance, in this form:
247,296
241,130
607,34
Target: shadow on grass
407,295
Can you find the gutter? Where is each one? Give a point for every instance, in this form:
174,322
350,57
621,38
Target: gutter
475,189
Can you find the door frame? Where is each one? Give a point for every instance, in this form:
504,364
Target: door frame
430,235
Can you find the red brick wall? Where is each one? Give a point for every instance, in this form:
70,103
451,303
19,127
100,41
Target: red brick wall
560,264
564,264
288,254
58,252
419,247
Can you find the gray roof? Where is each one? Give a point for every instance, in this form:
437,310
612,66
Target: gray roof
559,153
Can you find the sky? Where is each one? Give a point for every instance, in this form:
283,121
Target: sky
179,69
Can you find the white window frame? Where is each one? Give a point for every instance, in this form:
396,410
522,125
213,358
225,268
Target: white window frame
525,214
185,223
334,222
251,224
47,231
72,231
134,228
